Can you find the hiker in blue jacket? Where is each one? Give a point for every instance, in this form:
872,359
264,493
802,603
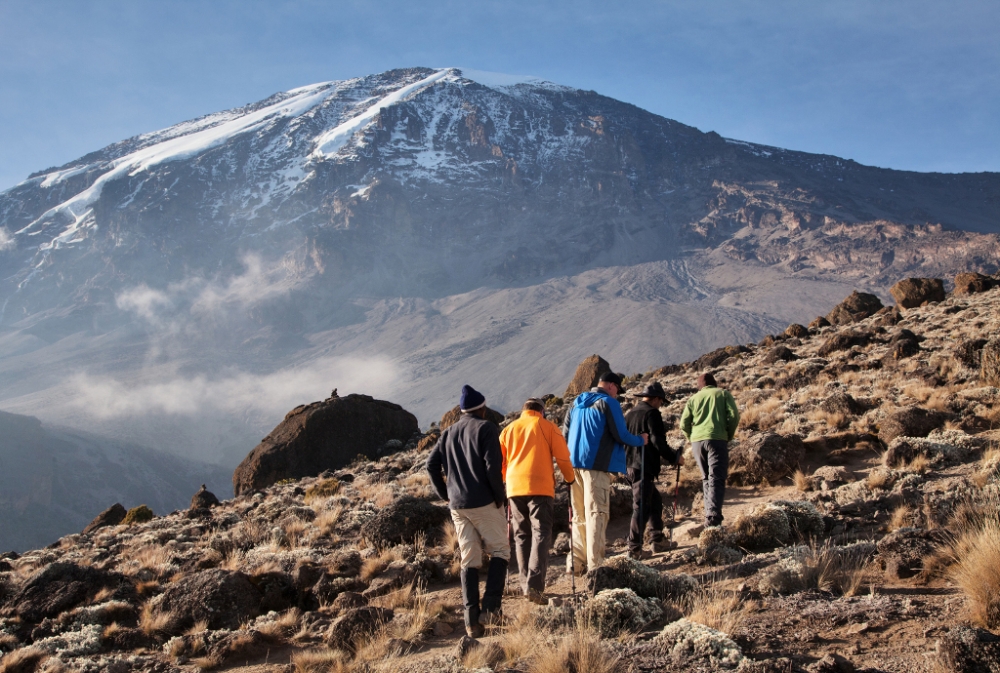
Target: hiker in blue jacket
597,435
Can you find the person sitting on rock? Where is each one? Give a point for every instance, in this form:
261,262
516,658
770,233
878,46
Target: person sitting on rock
529,446
596,433
709,422
468,455
643,469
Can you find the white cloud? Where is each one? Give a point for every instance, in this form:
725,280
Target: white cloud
239,393
144,301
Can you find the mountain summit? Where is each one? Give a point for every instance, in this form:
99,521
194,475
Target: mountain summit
406,232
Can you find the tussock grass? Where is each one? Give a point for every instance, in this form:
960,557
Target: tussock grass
976,571
284,627
375,565
24,660
581,651
319,661
901,517
720,610
322,489
801,481
154,623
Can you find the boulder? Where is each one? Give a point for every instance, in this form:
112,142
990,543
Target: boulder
969,352
222,598
717,357
901,553
277,589
622,572
323,436
843,341
912,292
796,331
112,516
203,499
856,307
909,422
402,520
967,649
989,363
452,415
779,354
766,456
355,625
819,322
59,587
587,375
971,283
842,403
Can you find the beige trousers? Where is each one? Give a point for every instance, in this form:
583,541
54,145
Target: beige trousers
479,529
591,494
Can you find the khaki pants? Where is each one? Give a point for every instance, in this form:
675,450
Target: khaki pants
591,494
479,529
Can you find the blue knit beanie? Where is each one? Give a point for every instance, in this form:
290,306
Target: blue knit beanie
471,399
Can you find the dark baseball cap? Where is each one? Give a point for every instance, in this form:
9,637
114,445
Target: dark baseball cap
611,377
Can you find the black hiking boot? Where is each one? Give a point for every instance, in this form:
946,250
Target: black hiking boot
470,597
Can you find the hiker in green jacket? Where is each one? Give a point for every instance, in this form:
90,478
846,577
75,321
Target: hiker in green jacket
709,422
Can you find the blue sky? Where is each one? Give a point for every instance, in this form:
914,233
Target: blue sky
908,84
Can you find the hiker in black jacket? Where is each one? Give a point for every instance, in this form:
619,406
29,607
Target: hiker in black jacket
647,505
468,454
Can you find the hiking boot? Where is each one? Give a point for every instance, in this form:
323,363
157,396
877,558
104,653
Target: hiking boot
496,580
635,554
536,597
470,598
663,545
491,617
475,630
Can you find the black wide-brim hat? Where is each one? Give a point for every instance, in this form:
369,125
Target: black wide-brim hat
653,390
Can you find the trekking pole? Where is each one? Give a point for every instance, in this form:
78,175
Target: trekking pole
642,500
572,557
677,482
507,581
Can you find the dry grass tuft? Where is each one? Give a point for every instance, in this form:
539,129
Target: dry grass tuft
326,521
901,517
919,465
581,651
801,481
154,623
320,661
879,478
976,570
325,488
24,660
199,627
716,609
284,627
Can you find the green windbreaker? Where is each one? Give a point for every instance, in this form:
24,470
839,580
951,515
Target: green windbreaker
711,413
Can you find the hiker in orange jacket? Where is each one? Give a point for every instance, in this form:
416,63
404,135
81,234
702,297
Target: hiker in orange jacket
529,445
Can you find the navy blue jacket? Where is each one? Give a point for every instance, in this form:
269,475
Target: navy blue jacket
468,454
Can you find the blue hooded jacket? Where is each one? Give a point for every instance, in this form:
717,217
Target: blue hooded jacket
596,432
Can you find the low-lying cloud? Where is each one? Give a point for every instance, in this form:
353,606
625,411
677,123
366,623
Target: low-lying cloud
236,394
7,241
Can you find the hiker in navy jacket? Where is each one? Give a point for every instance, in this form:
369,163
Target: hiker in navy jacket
596,433
468,454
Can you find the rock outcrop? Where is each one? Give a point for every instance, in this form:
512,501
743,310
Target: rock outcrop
203,499
970,283
402,521
856,307
912,292
909,422
767,456
588,373
222,598
323,436
112,516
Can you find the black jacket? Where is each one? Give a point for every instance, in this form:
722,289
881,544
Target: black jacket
644,418
468,454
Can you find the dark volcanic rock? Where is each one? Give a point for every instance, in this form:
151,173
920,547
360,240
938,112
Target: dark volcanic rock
112,516
402,520
717,357
968,650
452,415
968,352
766,456
910,422
970,283
819,322
61,586
323,436
842,403
587,375
203,499
901,553
356,624
843,341
856,307
797,331
222,598
912,292
779,353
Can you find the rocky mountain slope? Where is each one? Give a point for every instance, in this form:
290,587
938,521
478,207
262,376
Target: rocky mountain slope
860,535
54,480
400,233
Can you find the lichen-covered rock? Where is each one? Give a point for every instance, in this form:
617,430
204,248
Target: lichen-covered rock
856,307
901,553
112,516
613,611
912,292
805,521
966,649
140,514
766,456
779,354
59,587
323,436
969,351
690,644
222,598
402,521
354,625
843,341
909,422
622,572
841,403
587,374
945,447
764,526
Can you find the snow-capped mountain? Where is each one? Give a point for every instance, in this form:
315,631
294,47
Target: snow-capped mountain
403,233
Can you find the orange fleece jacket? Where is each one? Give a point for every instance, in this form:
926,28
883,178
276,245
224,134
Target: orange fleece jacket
528,446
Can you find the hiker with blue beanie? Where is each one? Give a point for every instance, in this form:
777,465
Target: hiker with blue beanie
468,455
597,435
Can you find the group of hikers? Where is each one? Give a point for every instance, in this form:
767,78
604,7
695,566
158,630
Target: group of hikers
495,480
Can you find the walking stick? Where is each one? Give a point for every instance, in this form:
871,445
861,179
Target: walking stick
642,499
677,481
507,581
572,556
